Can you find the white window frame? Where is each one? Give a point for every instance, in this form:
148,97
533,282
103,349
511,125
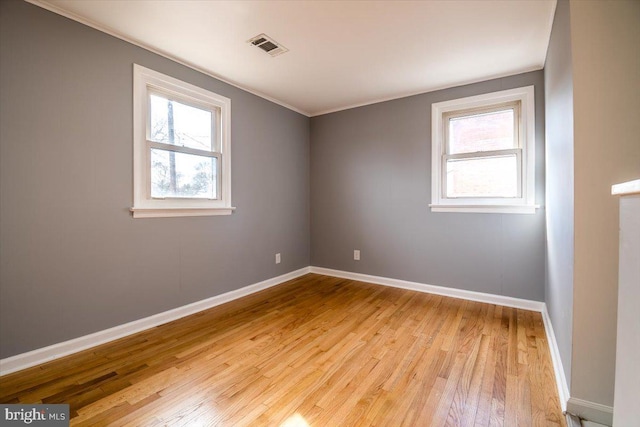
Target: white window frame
523,101
146,82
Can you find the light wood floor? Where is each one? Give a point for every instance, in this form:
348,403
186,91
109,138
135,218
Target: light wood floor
315,350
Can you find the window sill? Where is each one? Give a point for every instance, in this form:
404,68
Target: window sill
175,212
522,209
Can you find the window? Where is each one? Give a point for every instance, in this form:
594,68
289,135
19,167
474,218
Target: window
483,153
181,156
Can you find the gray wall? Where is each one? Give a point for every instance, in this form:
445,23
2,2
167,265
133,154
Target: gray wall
370,190
558,84
73,261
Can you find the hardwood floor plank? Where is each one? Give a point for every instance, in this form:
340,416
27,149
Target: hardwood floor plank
446,400
470,406
318,349
536,379
458,404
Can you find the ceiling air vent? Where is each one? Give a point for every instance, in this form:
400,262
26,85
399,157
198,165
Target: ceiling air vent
268,45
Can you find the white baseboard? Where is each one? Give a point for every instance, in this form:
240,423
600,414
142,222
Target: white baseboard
46,354
438,290
572,420
558,368
601,414
541,307
55,351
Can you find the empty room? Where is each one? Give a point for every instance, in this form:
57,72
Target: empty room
319,213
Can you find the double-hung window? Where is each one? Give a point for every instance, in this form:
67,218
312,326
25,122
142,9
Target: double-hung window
181,148
483,153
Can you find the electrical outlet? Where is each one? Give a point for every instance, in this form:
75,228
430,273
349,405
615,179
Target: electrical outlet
278,258
356,254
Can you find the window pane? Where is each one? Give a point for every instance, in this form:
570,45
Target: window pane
179,124
175,174
482,132
483,177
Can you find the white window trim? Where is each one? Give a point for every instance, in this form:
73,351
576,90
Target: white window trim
144,206
523,204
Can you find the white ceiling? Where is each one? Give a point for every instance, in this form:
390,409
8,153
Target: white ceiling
341,53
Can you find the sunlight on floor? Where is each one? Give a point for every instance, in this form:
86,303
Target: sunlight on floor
295,421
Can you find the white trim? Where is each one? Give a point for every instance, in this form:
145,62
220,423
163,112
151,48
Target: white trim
55,351
591,411
428,90
146,81
46,354
433,289
548,31
485,209
176,212
626,188
572,420
526,201
110,31
558,368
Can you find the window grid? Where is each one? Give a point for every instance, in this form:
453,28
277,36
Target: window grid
480,154
465,148
194,178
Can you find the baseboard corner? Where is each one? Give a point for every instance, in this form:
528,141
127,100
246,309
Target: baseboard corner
591,411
